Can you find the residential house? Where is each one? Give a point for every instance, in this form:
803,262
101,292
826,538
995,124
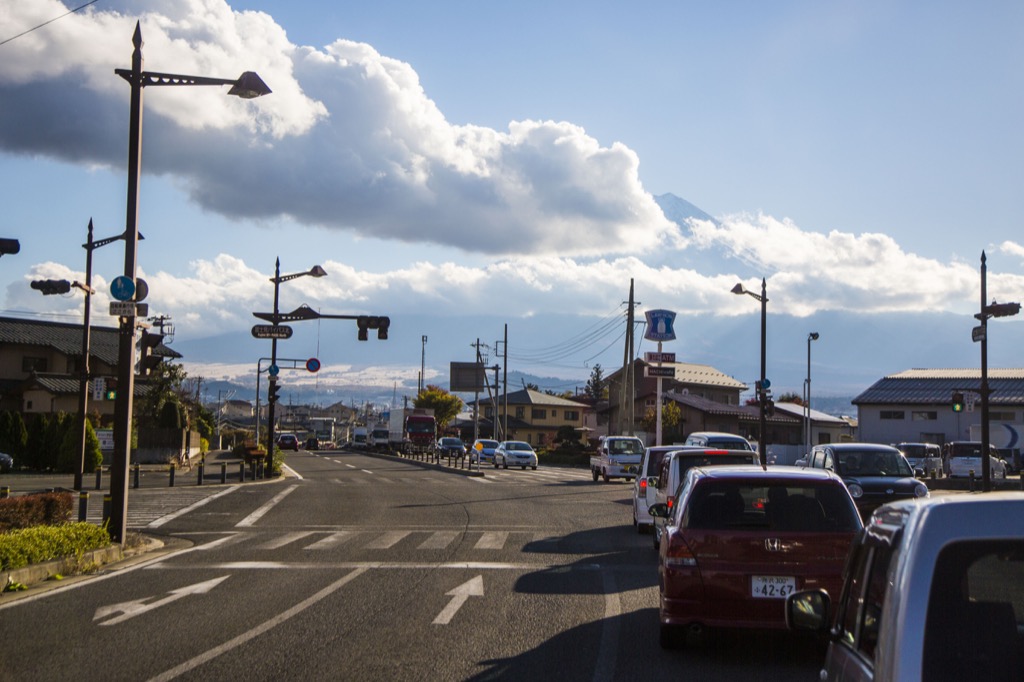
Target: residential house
533,416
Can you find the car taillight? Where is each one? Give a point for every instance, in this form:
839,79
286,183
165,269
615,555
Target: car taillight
678,554
643,485
670,502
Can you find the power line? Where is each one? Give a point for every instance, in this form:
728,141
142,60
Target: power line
7,40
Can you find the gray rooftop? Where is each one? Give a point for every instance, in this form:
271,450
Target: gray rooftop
936,387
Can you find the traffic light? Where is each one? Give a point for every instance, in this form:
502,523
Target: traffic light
9,246
1002,309
148,361
272,392
769,408
958,401
366,322
52,286
110,390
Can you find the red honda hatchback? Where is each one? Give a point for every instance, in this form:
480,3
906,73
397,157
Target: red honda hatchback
742,539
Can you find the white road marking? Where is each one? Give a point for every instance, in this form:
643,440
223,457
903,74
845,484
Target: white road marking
367,471
388,539
439,540
251,519
332,540
236,642
471,588
604,669
130,609
492,540
181,512
285,539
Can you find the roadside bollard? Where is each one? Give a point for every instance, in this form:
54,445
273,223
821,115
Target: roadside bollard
241,472
1022,480
135,481
99,478
223,472
107,504
199,474
970,475
252,470
6,491
171,477
83,505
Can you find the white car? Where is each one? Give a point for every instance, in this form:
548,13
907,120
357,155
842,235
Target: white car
646,483
961,467
515,452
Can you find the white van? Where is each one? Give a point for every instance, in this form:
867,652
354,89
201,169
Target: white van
674,466
645,484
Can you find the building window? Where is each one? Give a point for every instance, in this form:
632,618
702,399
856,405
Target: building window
29,364
571,415
923,416
1002,416
892,414
489,412
520,412
537,413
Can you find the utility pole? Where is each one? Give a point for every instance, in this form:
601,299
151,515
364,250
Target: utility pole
628,392
423,365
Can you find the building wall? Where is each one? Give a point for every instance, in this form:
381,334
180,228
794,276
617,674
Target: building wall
913,423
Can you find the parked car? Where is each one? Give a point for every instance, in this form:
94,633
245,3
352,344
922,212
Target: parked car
931,593
450,447
483,449
645,484
717,439
515,452
312,443
963,456
673,470
924,458
6,462
742,539
288,441
875,474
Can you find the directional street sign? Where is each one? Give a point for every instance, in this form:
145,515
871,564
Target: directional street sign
659,357
129,309
271,331
273,370
660,371
978,334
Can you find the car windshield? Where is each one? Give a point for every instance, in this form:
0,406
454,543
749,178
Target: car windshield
770,505
627,447
518,446
488,444
872,463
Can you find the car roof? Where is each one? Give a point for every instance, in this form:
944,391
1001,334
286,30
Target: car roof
774,471
716,434
859,447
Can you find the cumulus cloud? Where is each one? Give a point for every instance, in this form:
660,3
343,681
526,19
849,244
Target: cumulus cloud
348,140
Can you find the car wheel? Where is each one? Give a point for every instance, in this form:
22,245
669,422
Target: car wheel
505,465
594,472
495,464
534,468
671,637
605,477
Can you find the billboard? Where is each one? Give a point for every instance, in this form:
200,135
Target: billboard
466,377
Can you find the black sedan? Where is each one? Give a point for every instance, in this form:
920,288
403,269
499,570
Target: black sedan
874,474
450,447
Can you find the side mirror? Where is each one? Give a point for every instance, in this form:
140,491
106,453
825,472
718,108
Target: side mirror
659,511
808,611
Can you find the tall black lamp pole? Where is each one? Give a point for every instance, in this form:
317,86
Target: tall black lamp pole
762,389
247,86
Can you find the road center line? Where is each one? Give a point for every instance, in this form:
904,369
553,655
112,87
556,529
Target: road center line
213,653
604,670
258,514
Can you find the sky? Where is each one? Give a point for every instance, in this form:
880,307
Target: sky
465,160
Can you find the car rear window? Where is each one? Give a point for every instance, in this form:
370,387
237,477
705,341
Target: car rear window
685,462
729,444
773,506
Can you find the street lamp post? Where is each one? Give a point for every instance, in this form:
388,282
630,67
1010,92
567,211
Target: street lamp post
762,385
247,86
980,333
813,336
315,271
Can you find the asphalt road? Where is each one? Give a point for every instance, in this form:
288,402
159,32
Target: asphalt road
377,568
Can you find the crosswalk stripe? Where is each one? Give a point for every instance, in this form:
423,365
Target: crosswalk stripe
332,540
439,540
492,540
285,539
388,539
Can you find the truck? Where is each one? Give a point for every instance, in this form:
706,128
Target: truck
324,430
412,430
379,438
360,434
617,457
931,592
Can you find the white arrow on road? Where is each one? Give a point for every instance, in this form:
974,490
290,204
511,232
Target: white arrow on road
130,609
472,588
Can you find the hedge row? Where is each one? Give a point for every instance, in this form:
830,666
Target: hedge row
27,511
19,548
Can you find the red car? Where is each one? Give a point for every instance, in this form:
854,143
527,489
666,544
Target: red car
742,539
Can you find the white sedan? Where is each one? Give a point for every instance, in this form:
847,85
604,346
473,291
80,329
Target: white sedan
515,452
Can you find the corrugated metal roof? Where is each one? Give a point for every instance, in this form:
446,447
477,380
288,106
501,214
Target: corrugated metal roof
936,386
745,412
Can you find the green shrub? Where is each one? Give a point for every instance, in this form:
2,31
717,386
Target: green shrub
26,546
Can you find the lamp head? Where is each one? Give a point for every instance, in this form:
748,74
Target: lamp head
249,86
739,289
317,271
813,336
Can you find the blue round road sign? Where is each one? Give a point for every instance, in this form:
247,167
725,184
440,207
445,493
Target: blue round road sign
122,288
312,365
273,370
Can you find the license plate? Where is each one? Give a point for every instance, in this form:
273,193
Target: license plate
772,586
